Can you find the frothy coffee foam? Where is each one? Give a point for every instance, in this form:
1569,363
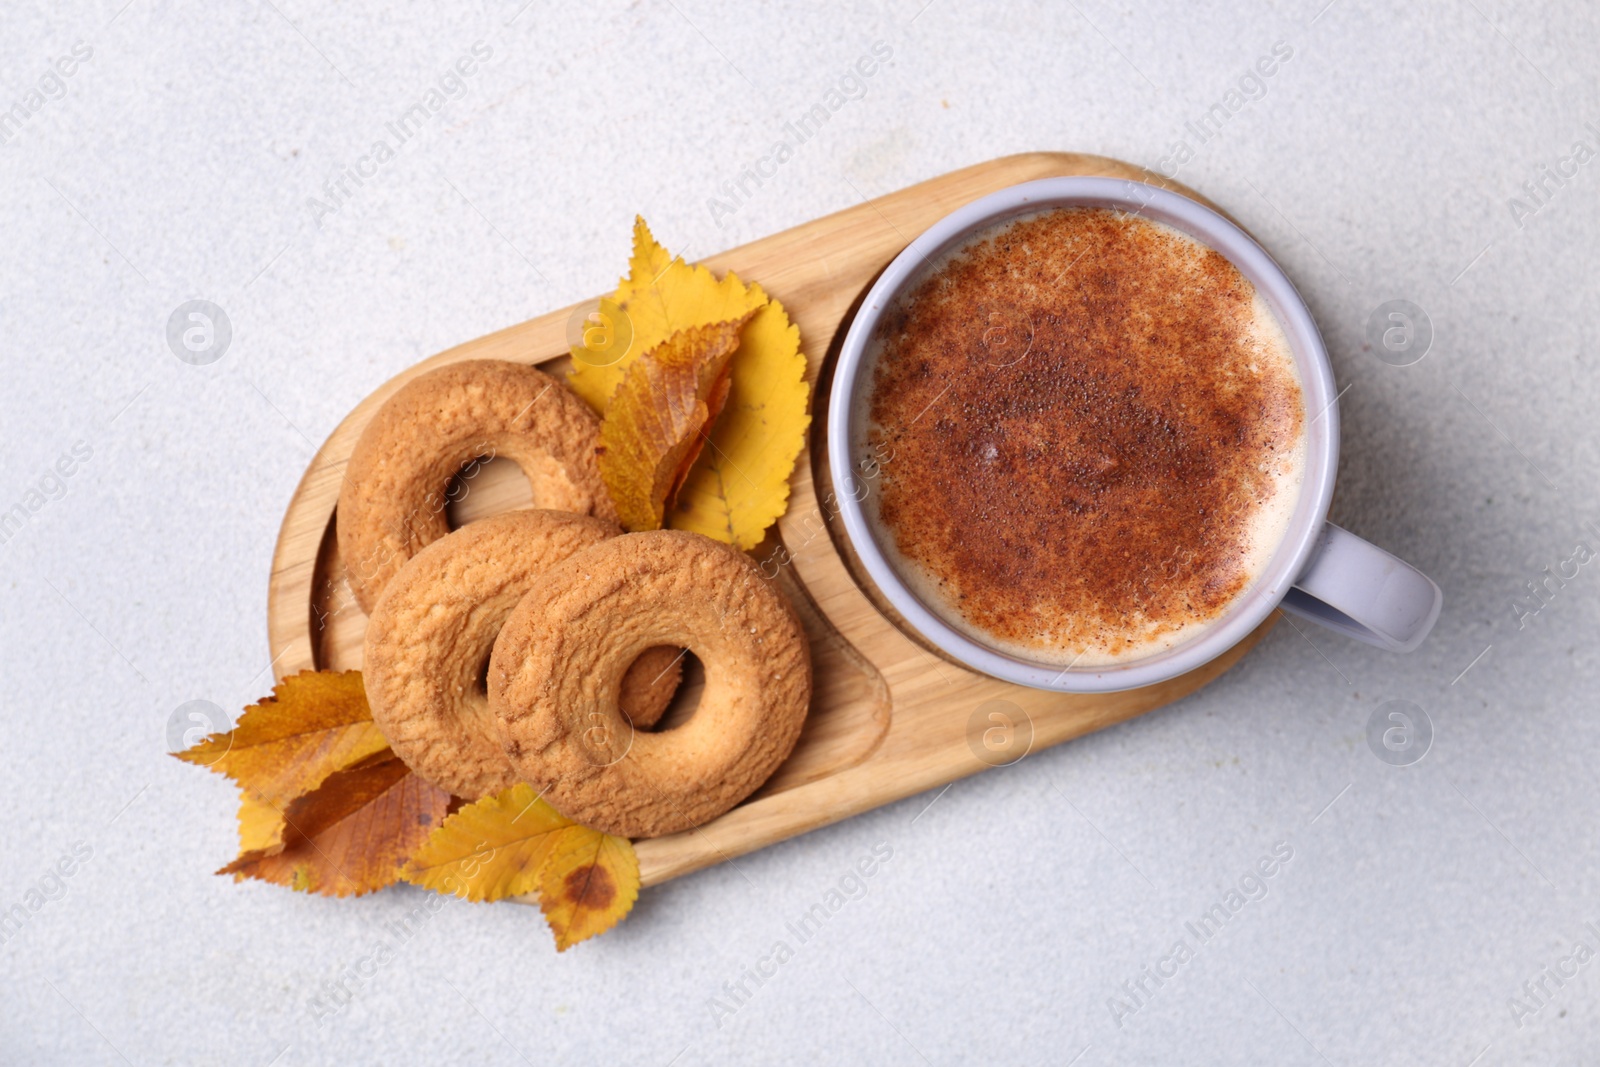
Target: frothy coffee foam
1097,435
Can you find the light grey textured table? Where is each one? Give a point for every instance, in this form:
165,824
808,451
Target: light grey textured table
196,153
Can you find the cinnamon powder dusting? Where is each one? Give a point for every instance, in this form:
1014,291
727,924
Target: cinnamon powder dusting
1095,427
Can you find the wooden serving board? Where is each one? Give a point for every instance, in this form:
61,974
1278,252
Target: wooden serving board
889,717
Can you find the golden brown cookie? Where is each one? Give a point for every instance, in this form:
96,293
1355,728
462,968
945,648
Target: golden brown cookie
430,635
392,502
557,669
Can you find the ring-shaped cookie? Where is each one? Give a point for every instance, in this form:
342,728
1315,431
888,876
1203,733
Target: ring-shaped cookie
392,502
431,632
556,673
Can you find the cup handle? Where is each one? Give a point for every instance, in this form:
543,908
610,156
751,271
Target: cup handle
1355,587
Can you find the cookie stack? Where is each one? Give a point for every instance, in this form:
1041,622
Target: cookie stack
542,645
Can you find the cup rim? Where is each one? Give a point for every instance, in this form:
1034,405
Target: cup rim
1317,384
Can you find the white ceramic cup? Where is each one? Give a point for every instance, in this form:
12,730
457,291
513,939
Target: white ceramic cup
1319,571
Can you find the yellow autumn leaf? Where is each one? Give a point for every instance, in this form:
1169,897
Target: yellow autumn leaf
739,485
260,824
315,723
491,849
588,883
660,296
655,425
515,843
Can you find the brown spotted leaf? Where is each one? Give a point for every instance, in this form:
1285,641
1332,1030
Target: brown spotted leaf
589,882
313,724
490,849
352,834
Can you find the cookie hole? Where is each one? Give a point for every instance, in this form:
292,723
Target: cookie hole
686,699
483,675
486,487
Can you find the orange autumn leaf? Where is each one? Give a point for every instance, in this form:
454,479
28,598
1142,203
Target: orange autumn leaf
658,419
314,723
589,882
352,834
715,402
